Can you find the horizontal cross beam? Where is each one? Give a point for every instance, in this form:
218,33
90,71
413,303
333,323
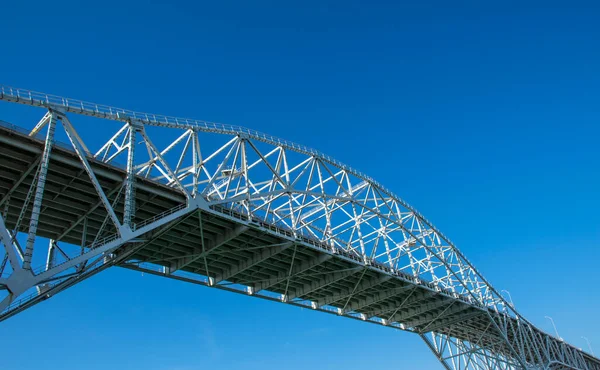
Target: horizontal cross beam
346,293
298,269
433,317
414,296
323,282
405,314
266,253
453,320
210,246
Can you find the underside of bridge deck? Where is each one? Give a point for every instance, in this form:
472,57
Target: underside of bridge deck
205,237
214,248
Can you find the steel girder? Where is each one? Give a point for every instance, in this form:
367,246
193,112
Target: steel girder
268,184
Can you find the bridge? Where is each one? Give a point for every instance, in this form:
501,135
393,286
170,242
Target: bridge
234,209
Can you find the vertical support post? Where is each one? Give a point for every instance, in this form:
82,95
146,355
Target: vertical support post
50,258
84,234
83,241
129,210
197,161
39,192
244,161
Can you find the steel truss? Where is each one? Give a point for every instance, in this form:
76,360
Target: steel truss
255,179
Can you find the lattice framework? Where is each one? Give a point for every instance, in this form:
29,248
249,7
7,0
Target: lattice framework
291,187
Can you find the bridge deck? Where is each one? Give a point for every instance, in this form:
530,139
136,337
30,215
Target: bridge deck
235,252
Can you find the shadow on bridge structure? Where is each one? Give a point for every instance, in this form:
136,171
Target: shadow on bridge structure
231,208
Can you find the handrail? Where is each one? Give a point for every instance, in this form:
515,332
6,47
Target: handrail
159,216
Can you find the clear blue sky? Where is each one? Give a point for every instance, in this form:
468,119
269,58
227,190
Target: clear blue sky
484,117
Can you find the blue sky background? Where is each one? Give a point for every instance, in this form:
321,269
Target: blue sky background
485,117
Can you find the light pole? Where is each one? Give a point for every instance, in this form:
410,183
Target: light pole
509,297
589,345
556,331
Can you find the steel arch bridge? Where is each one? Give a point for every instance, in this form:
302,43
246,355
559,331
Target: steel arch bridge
231,208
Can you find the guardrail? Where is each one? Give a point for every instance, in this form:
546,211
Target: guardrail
158,216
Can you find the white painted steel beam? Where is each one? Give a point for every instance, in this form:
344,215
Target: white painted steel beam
39,191
285,190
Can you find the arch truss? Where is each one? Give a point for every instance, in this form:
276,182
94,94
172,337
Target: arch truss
228,207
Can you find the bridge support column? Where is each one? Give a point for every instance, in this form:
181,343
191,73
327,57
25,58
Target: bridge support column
39,191
129,211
